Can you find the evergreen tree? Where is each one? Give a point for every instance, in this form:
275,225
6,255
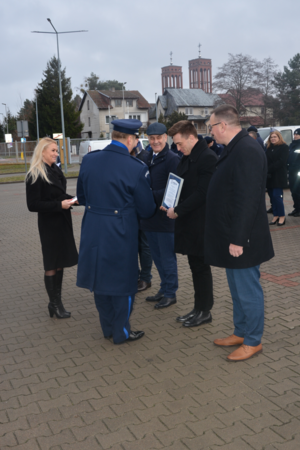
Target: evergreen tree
174,118
287,84
2,133
93,83
49,113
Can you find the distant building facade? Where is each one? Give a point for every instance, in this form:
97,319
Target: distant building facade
98,107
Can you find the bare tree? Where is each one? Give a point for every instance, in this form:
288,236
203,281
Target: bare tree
237,78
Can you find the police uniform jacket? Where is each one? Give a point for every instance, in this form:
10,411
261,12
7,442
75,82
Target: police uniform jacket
277,157
54,223
196,169
294,157
236,208
159,167
115,189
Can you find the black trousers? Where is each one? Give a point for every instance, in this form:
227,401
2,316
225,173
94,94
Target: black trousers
294,184
203,284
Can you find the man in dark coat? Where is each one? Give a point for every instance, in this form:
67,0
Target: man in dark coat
115,189
294,169
160,229
196,168
237,234
258,138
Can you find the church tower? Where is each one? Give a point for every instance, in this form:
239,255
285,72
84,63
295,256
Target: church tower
171,76
200,73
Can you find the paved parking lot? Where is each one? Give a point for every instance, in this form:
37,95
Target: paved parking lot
64,387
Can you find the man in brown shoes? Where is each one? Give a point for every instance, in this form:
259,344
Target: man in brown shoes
237,235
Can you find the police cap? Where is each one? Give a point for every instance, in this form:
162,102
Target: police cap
127,126
156,128
252,128
297,131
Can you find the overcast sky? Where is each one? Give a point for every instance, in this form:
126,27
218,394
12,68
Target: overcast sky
131,40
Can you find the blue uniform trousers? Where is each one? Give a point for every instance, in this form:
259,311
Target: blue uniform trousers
114,313
248,304
162,251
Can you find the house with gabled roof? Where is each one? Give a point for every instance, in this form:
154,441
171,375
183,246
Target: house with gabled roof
98,108
195,103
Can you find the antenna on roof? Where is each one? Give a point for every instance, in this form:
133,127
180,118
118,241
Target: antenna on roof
199,50
171,54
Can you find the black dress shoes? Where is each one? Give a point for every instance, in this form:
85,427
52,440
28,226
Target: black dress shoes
165,302
143,285
155,298
270,210
198,319
297,214
295,211
187,316
135,335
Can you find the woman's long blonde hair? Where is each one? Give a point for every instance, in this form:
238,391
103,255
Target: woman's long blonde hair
37,165
280,142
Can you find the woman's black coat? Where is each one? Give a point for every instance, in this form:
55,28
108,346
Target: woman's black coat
277,157
236,206
54,223
196,169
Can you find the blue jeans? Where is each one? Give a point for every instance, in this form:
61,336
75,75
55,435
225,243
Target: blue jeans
248,304
162,251
276,196
114,313
145,258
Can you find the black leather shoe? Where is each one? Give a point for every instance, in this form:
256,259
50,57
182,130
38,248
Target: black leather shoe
135,335
198,319
270,210
187,316
297,214
155,298
274,223
143,285
295,211
165,302
281,224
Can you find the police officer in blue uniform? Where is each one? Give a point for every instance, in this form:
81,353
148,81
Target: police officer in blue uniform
115,189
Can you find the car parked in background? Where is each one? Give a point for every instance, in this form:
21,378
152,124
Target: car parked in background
90,146
286,131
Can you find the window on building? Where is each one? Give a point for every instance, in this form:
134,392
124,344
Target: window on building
206,111
196,126
89,121
188,111
262,111
107,118
134,116
88,105
118,102
129,102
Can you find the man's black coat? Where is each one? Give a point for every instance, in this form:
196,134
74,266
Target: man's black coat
236,208
196,169
54,223
164,163
277,157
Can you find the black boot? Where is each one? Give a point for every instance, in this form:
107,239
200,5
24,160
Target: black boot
53,306
59,278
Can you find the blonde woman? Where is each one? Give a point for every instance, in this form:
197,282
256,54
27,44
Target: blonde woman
46,195
277,156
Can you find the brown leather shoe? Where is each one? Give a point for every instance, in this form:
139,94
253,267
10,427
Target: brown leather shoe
244,352
143,285
229,341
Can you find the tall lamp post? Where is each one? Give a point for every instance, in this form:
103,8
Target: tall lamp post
6,118
123,89
60,88
155,106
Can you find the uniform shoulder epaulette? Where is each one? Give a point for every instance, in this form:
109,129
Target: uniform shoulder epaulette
137,160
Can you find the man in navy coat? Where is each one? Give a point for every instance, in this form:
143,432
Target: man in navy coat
160,229
115,189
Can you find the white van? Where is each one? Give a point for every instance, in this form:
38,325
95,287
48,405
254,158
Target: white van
89,146
287,132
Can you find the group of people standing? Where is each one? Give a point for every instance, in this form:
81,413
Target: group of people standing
220,221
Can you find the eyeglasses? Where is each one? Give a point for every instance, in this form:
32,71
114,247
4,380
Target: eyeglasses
211,126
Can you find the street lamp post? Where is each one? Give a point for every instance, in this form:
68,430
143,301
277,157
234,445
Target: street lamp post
155,106
6,118
60,88
123,89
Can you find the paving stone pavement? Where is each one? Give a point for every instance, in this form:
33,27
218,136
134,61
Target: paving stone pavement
64,387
